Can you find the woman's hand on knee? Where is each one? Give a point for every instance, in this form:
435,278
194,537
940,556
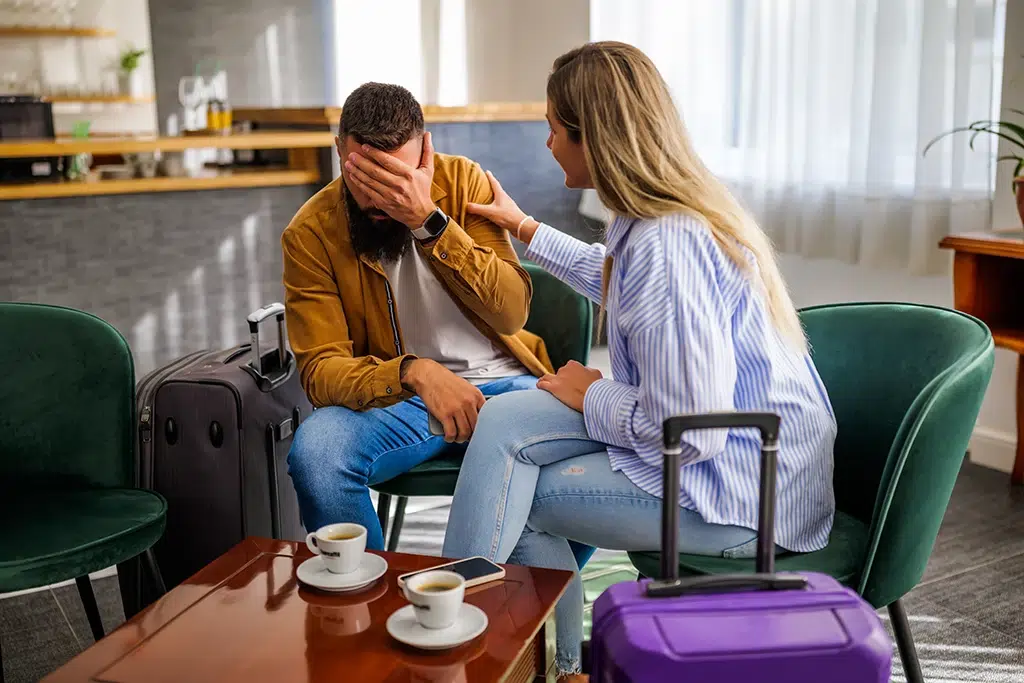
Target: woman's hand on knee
569,385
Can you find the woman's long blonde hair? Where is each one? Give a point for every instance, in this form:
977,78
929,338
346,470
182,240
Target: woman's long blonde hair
610,96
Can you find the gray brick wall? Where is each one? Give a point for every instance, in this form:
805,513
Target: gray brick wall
246,38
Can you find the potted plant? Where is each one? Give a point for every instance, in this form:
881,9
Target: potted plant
1007,130
129,76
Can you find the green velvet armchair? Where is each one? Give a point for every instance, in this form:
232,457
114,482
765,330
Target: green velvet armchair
68,498
906,383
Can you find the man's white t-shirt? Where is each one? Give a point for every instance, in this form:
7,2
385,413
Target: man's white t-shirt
434,327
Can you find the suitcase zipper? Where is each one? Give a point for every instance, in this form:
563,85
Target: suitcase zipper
145,392
145,424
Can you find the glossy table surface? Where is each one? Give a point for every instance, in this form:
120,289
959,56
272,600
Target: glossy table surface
246,617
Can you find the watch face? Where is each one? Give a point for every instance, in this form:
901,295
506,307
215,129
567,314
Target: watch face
436,223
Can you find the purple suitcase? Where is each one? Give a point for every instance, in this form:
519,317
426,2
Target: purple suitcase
763,627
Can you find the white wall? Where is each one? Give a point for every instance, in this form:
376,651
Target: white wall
511,45
88,62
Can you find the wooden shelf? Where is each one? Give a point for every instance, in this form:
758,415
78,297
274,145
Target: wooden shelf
96,99
1006,244
54,32
259,140
483,112
209,181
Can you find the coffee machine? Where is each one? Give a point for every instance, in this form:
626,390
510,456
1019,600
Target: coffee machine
26,117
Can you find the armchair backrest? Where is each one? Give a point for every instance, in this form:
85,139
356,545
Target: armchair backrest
906,383
560,316
67,407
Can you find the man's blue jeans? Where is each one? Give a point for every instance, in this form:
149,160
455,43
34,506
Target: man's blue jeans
337,452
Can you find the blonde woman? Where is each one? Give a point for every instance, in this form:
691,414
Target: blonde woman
698,320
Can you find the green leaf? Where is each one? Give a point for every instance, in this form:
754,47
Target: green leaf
997,133
933,141
1014,128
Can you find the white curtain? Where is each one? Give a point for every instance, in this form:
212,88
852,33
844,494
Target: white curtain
816,112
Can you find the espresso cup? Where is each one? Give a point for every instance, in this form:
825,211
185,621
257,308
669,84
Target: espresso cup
436,597
340,545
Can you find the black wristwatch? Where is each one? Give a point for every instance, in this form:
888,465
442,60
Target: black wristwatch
435,224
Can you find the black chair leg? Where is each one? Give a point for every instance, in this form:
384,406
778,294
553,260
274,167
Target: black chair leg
154,572
905,643
396,525
383,512
92,610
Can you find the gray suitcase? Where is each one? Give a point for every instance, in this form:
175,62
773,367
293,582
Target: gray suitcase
214,432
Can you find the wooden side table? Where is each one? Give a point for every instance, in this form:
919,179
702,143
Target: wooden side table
988,283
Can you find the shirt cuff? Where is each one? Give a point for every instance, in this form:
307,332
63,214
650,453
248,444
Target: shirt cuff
386,383
608,411
553,250
452,248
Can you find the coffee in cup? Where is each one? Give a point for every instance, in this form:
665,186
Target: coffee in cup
436,597
341,546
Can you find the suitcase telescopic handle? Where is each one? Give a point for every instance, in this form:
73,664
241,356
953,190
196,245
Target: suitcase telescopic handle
764,578
254,319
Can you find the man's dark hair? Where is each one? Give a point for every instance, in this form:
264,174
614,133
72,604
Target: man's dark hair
381,115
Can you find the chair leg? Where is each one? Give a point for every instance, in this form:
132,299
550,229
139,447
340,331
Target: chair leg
383,512
396,525
129,580
92,611
905,643
154,572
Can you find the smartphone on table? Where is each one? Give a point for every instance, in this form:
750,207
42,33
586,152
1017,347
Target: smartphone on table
475,570
435,426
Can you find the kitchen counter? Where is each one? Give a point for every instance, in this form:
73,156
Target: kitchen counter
302,167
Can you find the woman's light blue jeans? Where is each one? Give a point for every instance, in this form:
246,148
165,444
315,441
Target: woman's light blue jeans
532,479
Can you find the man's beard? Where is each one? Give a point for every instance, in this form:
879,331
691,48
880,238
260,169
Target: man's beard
383,239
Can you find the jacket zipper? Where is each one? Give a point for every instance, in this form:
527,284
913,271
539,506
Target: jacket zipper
394,321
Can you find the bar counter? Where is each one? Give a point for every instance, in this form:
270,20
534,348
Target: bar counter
302,167
486,112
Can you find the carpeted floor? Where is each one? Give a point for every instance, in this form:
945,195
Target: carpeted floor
967,615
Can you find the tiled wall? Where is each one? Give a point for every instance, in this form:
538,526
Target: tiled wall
178,272
173,272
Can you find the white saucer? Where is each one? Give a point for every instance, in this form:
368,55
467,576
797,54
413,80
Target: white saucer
313,573
470,623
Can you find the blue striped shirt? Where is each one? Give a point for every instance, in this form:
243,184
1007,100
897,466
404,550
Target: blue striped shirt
689,332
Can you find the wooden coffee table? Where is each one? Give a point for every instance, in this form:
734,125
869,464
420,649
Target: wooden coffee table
245,617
